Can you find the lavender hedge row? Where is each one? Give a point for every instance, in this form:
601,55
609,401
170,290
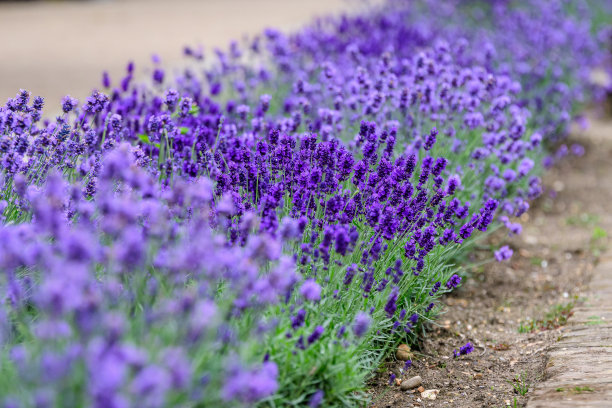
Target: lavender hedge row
265,225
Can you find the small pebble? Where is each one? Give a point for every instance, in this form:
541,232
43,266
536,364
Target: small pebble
430,394
421,389
403,353
411,383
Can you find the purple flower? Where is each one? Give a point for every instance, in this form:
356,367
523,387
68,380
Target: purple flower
317,399
158,75
463,350
106,81
361,324
431,139
509,175
453,183
251,385
179,367
265,102
515,228
316,334
151,384
298,319
311,290
577,150
96,102
68,103
525,166
453,282
38,103
435,288
536,139
391,305
561,151
172,99
504,253
548,162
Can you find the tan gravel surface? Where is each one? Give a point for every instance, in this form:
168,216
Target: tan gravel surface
57,48
579,365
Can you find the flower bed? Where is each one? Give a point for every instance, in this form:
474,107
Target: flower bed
265,227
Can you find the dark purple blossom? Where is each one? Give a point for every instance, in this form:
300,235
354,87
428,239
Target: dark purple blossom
316,334
68,103
467,348
453,282
391,305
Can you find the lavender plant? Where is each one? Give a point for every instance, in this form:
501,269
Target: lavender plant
132,300
262,228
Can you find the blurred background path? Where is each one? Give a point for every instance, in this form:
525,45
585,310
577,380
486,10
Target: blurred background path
54,48
578,372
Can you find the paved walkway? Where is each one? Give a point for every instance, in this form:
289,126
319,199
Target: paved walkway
57,48
579,370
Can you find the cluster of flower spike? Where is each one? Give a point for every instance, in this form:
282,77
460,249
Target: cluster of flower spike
129,288
264,227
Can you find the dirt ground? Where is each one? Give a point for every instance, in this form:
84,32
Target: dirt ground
511,312
55,48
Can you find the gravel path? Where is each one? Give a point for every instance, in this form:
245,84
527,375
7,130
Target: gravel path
579,368
58,48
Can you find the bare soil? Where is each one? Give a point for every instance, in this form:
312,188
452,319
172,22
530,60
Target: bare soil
502,308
